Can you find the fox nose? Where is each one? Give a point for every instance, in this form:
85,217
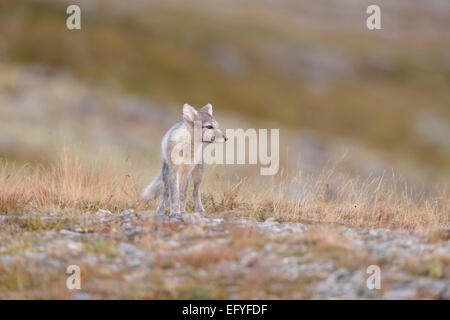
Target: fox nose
225,138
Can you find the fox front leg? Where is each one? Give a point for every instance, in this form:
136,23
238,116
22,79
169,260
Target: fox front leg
197,177
163,199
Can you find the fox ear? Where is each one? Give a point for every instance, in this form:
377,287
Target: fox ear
189,113
208,108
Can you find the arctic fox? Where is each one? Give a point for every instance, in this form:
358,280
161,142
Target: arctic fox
173,180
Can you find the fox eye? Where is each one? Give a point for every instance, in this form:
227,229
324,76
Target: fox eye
209,127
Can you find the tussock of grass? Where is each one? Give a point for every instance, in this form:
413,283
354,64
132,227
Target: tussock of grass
12,188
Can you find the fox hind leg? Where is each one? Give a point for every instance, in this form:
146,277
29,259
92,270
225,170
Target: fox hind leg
174,193
164,198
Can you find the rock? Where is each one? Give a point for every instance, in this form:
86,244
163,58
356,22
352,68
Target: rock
437,290
176,219
83,296
290,269
267,248
341,272
211,221
248,257
90,260
159,216
268,224
129,249
329,266
401,294
70,233
7,259
54,263
76,246
143,214
133,262
191,217
48,218
83,230
128,226
35,255
102,212
127,212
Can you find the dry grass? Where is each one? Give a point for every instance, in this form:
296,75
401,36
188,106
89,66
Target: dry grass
378,202
329,198
12,188
333,198
207,255
68,183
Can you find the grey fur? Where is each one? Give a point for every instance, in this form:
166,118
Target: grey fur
173,181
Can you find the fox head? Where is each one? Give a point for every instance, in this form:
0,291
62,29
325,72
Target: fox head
210,127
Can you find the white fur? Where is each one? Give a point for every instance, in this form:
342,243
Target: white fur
208,108
189,113
153,189
174,178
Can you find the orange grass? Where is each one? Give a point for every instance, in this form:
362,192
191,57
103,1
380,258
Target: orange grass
376,202
68,183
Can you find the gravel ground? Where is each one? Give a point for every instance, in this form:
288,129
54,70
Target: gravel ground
223,255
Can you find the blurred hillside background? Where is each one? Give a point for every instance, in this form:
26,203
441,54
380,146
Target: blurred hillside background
365,102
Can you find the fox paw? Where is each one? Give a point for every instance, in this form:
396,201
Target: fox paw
200,210
176,215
